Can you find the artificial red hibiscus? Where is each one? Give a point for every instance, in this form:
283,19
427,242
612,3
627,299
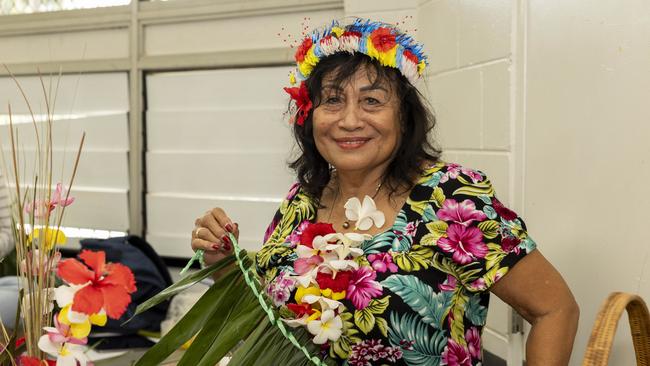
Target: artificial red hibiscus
313,230
303,49
383,39
300,309
300,95
336,284
33,361
107,285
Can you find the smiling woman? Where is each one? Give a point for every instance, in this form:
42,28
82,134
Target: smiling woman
409,283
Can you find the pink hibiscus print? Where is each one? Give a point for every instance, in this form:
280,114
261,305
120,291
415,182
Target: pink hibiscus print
454,169
449,285
455,355
510,244
363,287
382,262
412,228
473,338
463,213
466,243
502,210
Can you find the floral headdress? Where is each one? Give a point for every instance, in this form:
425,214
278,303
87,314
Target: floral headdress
380,41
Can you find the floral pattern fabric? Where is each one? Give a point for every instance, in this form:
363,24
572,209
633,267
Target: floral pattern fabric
415,294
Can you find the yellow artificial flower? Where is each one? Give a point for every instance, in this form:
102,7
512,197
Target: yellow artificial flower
302,291
314,316
52,237
81,329
388,58
309,62
333,295
338,31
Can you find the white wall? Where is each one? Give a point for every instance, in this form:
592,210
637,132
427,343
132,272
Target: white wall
587,151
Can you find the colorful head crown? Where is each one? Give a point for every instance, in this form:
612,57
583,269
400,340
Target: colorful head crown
382,42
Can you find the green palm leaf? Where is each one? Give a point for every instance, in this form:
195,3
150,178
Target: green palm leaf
420,297
427,347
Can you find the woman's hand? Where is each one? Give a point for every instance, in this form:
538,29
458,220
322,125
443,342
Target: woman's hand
211,234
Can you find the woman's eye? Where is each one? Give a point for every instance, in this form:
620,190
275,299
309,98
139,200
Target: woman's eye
372,101
332,100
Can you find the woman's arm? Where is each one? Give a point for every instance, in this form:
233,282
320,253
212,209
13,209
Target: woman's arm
537,291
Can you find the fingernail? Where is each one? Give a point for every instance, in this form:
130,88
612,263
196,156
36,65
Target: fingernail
226,246
215,246
229,227
225,239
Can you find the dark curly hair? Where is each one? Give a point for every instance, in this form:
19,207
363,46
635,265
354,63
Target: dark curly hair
417,120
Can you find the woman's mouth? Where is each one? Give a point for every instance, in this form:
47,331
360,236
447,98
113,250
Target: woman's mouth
350,143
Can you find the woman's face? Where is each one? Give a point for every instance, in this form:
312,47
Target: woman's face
357,125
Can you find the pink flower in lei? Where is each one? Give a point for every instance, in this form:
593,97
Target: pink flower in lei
466,243
382,262
456,355
473,338
463,213
363,287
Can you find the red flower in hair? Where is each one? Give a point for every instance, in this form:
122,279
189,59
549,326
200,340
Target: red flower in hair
383,39
313,230
107,285
301,96
303,49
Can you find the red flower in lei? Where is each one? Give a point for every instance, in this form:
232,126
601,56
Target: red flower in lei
303,49
109,285
33,361
301,96
383,39
338,284
313,230
300,309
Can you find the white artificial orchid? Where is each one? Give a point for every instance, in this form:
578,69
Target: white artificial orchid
325,302
295,323
347,244
327,328
365,214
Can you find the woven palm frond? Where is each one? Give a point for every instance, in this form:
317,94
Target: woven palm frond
232,315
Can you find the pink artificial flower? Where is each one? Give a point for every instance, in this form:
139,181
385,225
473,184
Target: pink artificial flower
466,243
305,265
473,338
59,197
463,213
382,262
33,257
455,355
449,285
363,287
38,208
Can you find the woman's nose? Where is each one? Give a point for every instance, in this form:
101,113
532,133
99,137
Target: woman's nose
351,118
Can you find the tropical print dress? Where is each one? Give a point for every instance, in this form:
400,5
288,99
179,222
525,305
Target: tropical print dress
418,292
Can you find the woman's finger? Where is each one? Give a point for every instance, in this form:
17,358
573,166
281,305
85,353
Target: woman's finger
206,245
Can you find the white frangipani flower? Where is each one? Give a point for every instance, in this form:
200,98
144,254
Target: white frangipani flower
327,328
324,302
365,214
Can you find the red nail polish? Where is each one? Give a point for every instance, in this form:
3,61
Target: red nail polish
227,247
225,239
229,228
215,246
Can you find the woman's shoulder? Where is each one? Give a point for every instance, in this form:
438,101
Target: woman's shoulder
447,174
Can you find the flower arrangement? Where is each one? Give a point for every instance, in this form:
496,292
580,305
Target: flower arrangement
91,291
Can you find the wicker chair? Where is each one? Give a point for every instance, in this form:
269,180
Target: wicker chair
602,335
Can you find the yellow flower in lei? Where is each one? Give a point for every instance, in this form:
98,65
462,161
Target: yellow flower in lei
302,291
80,324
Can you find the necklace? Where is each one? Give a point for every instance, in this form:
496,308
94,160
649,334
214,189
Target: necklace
346,223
